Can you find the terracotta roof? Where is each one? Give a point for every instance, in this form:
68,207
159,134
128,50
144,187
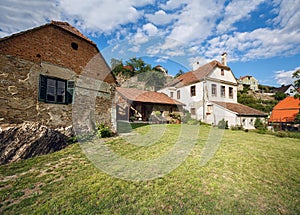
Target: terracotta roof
195,76
133,94
286,110
240,109
128,67
63,25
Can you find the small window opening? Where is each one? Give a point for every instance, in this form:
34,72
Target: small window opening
74,46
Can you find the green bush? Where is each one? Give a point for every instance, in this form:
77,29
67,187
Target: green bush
186,117
222,124
259,125
237,128
193,122
103,131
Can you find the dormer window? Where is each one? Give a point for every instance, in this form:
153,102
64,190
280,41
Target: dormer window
222,72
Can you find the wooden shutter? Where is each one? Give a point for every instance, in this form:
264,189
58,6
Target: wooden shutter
42,88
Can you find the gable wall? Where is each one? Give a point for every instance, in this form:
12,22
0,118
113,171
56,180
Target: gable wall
54,46
228,75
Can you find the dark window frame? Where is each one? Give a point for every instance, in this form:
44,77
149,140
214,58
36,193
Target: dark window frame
193,90
223,91
193,111
214,90
231,92
222,72
178,94
44,85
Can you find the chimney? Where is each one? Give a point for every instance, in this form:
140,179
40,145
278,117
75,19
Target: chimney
224,60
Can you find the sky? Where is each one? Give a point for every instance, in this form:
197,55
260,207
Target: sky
261,37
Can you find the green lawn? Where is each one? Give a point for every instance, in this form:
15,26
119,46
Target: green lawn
250,173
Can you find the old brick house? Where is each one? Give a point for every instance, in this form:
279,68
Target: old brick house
54,74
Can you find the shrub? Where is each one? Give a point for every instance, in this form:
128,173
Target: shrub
186,117
258,124
193,122
103,131
222,124
237,128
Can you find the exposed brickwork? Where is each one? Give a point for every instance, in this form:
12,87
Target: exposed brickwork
53,44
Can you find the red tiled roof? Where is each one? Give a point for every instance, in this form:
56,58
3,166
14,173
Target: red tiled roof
195,76
146,96
128,67
63,25
240,109
286,110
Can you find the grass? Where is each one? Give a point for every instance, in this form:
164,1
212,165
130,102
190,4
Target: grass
249,174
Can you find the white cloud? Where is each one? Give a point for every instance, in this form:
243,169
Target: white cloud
172,4
106,16
19,15
139,3
160,17
196,21
150,29
285,77
235,11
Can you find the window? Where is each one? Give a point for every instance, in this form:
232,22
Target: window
193,90
251,122
244,122
209,109
171,94
193,111
222,72
231,92
74,46
55,90
223,91
178,94
214,90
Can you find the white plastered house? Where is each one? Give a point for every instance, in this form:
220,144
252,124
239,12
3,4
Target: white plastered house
210,95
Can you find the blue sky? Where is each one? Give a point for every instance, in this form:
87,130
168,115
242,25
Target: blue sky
261,37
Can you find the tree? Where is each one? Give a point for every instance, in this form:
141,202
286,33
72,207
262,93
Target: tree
296,75
258,124
297,119
115,62
280,96
138,65
153,78
180,72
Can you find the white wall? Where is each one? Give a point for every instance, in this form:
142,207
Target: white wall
228,75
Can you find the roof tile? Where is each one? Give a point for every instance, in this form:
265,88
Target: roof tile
194,76
240,109
286,110
147,96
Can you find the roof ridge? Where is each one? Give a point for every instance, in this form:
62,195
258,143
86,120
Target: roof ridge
71,29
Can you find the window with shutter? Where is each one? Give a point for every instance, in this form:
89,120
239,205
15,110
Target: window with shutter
55,90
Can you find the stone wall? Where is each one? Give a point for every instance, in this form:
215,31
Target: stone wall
19,95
